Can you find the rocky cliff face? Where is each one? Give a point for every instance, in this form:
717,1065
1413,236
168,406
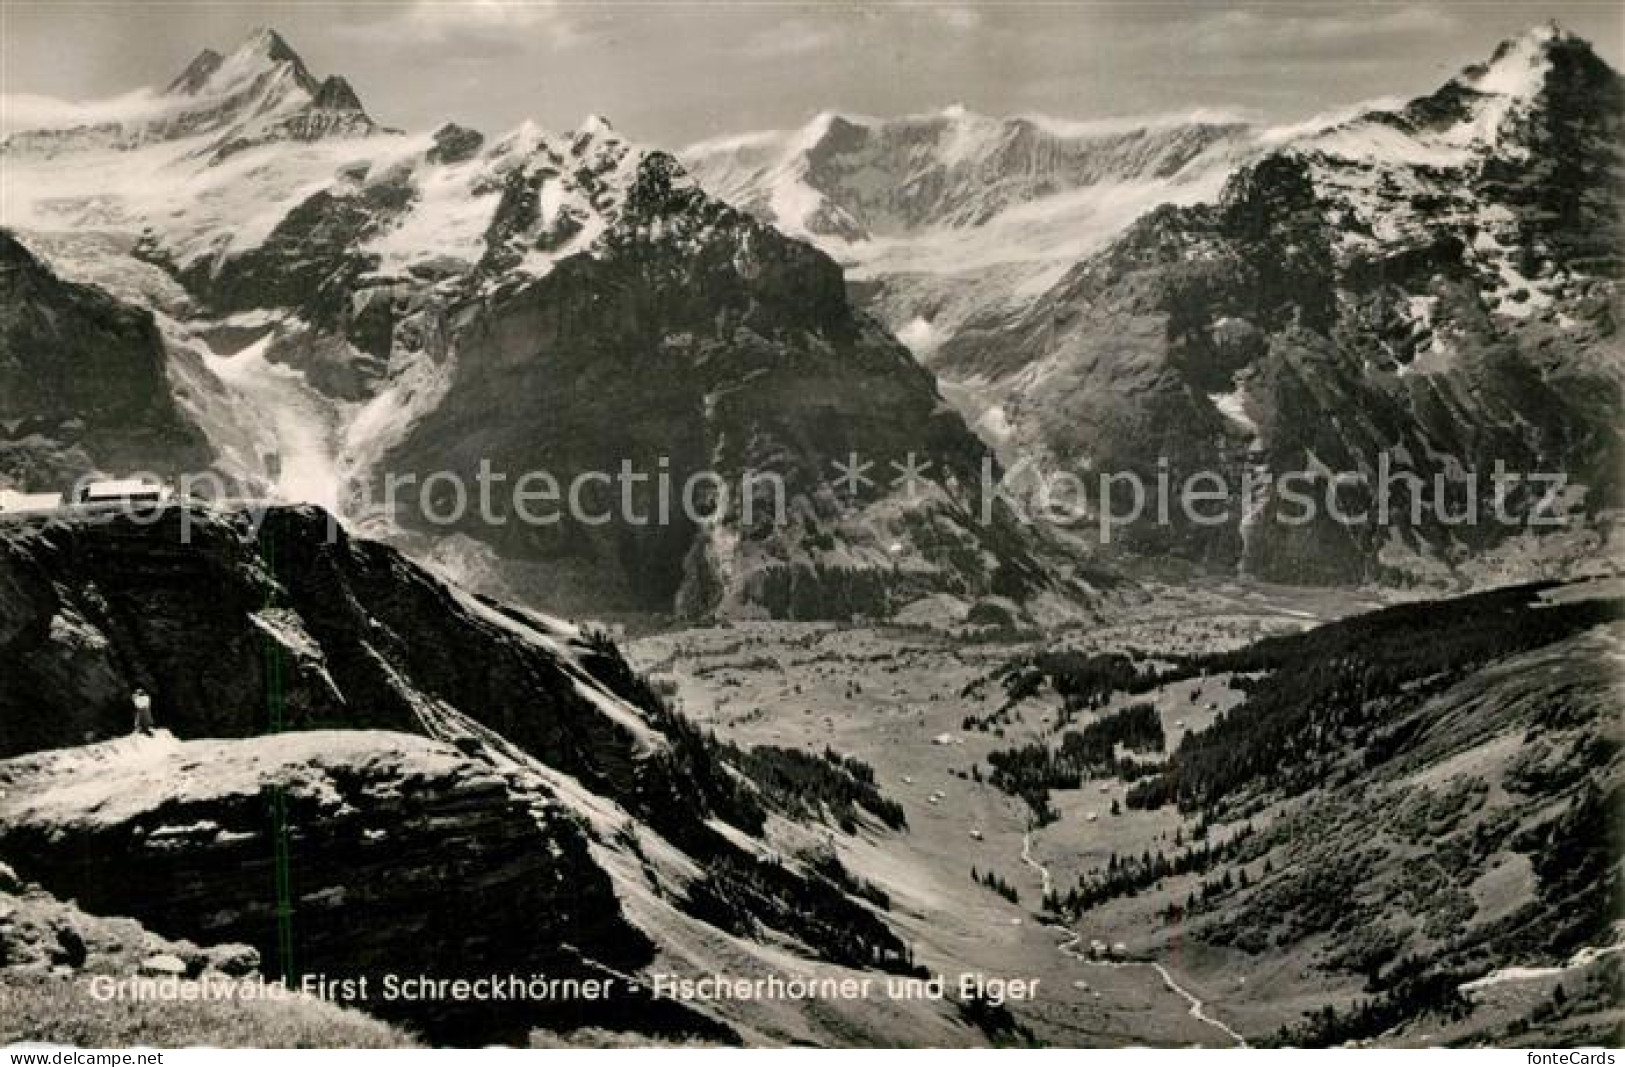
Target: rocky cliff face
191,606
389,854
84,382
1438,283
741,356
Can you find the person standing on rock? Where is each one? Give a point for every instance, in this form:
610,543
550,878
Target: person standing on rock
143,712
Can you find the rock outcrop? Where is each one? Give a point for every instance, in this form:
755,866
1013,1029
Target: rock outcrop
84,382
343,854
58,961
215,613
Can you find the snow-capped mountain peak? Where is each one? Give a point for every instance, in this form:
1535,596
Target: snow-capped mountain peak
246,146
950,213
1519,66
597,127
262,54
260,92
1488,111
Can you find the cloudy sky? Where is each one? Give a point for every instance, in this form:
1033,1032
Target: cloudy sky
673,72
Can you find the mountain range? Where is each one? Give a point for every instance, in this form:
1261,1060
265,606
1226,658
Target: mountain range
942,217
1435,281
340,303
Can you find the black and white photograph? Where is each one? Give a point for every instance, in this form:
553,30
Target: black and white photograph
701,524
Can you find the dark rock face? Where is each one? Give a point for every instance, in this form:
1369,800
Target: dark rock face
1444,291
83,382
336,94
704,338
94,610
400,856
310,261
221,621
197,73
455,144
